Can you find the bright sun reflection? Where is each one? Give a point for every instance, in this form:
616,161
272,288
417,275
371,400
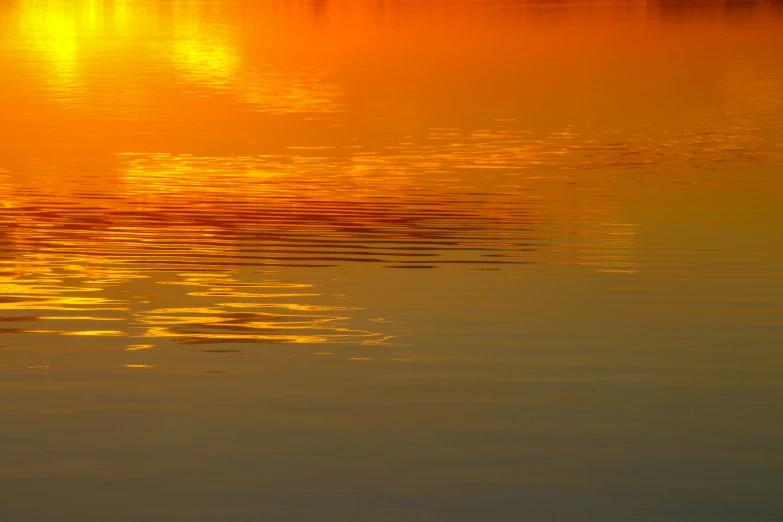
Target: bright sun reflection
70,35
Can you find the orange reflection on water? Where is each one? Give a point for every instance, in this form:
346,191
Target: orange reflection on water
193,146
447,253
63,40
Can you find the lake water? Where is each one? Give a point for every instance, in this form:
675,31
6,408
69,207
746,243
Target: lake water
370,260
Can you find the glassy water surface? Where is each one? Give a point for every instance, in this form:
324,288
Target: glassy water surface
391,261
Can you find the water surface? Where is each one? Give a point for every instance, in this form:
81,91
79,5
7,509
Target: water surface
385,261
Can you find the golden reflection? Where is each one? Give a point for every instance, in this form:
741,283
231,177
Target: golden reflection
136,347
424,221
78,318
190,163
54,31
445,251
204,53
71,36
148,258
277,321
98,333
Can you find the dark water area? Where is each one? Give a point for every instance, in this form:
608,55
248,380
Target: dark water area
391,261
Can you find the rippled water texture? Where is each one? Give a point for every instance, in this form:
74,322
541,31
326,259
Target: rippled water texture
354,260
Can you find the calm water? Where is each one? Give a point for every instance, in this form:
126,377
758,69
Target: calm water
359,260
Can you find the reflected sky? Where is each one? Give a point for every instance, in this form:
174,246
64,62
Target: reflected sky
371,260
